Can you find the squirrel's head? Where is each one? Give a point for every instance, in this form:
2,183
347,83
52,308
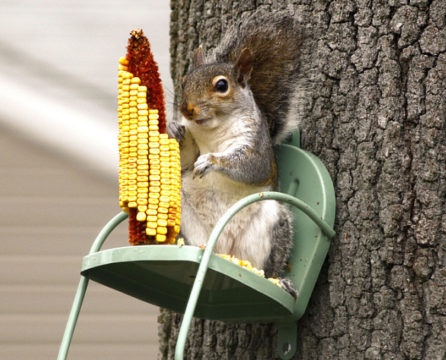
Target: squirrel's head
212,91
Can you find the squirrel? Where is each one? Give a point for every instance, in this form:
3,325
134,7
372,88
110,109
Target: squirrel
235,104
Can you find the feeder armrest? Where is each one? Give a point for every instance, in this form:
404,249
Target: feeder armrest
218,228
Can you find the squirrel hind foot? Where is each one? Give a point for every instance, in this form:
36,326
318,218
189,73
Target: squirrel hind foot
288,286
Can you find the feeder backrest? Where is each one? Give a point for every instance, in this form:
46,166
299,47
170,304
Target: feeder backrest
303,175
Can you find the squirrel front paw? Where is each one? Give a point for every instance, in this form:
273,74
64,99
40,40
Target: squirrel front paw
203,165
176,130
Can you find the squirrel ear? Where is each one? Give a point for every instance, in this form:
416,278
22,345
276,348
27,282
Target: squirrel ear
243,66
198,57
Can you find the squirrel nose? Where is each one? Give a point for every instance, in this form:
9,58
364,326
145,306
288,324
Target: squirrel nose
188,109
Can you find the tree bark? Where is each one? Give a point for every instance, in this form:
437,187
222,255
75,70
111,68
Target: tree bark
374,111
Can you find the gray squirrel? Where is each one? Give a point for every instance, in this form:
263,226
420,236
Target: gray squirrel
235,105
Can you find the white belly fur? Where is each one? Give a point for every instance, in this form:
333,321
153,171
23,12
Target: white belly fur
247,236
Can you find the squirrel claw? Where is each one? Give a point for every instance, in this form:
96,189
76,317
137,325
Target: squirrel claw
288,286
200,172
203,165
176,130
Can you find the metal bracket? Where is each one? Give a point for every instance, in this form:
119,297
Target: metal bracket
286,342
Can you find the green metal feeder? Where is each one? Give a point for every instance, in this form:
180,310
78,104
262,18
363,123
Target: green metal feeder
199,283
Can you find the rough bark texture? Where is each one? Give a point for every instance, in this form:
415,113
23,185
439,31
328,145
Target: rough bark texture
375,113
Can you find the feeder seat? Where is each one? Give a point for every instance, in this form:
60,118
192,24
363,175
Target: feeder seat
199,283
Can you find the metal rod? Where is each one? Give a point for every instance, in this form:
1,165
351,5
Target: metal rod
106,230
202,269
82,287
72,318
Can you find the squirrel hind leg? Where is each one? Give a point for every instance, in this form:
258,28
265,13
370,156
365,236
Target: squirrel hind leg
282,244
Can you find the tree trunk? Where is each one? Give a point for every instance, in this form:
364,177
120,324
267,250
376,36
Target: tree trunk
374,111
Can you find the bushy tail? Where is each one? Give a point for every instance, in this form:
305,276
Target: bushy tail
274,39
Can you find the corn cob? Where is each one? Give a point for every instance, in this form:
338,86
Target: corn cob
149,163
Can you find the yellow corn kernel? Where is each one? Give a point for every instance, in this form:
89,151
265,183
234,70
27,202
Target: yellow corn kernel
142,208
155,189
163,209
154,195
151,212
153,201
140,216
160,237
150,231
152,225
152,218
163,206
275,281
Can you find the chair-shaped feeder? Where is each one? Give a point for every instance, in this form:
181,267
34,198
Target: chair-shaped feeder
198,283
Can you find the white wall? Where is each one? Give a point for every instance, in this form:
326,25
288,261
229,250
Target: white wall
58,173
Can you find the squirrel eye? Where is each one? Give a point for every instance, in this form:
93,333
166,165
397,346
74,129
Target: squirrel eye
221,85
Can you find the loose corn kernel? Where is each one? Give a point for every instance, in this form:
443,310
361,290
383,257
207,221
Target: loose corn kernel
247,265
